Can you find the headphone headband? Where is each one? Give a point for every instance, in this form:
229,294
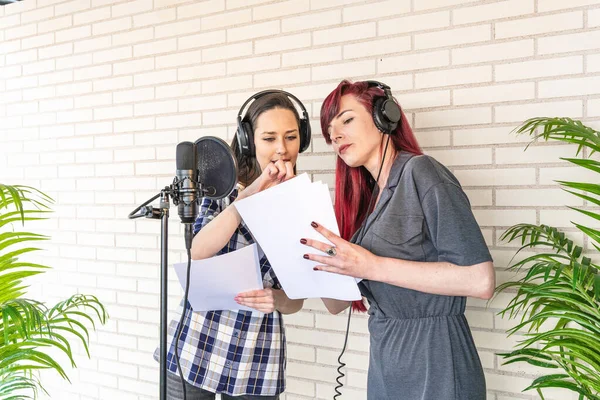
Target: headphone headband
260,94
244,131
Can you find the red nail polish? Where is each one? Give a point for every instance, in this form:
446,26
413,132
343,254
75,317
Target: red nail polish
315,269
303,241
305,256
314,224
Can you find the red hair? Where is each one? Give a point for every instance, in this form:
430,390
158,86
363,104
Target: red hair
354,186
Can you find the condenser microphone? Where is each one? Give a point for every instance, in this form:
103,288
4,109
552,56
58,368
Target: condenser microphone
187,182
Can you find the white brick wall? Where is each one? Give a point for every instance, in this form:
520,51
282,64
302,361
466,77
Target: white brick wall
95,94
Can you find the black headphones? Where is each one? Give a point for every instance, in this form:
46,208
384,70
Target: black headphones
386,112
245,133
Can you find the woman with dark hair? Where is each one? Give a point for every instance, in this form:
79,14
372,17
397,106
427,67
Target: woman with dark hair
235,352
408,231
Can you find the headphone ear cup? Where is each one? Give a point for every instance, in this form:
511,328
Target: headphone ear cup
392,114
304,135
249,137
245,139
378,117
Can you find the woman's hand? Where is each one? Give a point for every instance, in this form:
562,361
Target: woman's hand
347,258
272,175
264,300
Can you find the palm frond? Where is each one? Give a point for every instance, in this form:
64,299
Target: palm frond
592,165
29,330
11,382
562,129
558,299
20,195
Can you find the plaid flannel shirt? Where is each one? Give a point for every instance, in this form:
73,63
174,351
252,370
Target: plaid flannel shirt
232,352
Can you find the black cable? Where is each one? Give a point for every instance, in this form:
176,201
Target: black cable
180,326
364,223
132,214
359,238
342,364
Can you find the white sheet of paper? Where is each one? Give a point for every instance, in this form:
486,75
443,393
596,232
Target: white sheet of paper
278,218
215,281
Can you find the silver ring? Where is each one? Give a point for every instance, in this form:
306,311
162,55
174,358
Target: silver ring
331,251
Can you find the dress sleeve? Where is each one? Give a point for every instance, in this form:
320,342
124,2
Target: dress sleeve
452,226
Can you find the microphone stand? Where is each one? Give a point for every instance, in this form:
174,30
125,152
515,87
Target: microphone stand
209,148
162,213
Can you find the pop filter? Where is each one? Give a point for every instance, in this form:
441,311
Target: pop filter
217,168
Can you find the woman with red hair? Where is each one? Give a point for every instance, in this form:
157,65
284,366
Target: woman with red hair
408,232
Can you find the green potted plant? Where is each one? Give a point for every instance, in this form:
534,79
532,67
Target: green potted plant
558,296
31,331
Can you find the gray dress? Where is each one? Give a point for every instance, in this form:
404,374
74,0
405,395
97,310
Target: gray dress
421,344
